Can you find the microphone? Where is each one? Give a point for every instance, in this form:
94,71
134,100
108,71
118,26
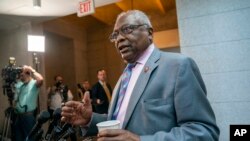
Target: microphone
66,134
56,118
38,136
42,118
61,130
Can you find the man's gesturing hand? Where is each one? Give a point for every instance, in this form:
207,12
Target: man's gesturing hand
77,113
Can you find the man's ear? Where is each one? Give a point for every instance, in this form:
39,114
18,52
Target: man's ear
150,34
150,31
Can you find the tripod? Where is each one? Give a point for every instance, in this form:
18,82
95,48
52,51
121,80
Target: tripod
8,89
9,113
7,123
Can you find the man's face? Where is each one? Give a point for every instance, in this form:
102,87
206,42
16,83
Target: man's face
23,77
132,45
101,75
59,80
86,85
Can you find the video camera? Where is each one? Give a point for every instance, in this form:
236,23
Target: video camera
10,74
63,89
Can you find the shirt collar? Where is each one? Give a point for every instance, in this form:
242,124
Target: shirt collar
102,83
146,54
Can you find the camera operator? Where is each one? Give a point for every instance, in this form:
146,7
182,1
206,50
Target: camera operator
25,104
57,94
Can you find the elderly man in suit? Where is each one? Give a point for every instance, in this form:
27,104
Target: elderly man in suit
164,100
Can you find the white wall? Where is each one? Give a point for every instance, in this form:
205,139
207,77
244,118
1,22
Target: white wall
216,34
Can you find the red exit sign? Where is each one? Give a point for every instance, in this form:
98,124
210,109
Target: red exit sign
85,7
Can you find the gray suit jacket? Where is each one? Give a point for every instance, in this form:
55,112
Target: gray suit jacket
168,102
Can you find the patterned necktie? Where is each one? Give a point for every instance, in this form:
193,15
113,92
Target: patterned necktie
123,87
107,92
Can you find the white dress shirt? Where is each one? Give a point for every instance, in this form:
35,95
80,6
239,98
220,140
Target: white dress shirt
133,79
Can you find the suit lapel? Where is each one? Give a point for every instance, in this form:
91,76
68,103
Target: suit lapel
141,84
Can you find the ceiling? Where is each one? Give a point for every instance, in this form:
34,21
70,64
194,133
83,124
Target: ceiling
162,13
21,11
17,12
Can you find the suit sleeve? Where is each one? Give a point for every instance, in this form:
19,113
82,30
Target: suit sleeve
96,118
95,92
194,115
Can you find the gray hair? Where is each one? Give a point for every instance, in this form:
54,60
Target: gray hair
138,15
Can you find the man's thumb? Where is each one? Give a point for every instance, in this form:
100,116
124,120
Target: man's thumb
86,98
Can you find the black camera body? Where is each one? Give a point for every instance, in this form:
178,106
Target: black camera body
63,89
10,74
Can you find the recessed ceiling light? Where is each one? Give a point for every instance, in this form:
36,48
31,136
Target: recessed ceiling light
37,4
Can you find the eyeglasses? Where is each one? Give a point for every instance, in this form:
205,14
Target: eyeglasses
124,30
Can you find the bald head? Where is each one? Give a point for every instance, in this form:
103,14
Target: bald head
139,16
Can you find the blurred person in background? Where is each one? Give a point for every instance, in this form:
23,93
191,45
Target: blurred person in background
26,101
82,88
101,92
86,88
57,94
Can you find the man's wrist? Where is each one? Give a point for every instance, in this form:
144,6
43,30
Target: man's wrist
88,123
84,128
